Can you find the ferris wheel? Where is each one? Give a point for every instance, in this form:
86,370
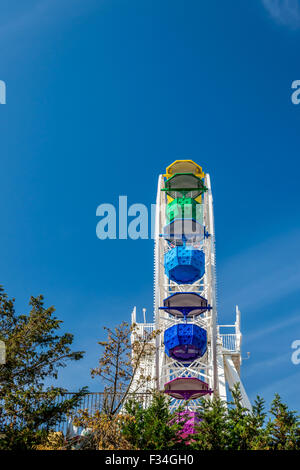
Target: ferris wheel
194,356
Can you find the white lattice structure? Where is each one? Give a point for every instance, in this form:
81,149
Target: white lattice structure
221,362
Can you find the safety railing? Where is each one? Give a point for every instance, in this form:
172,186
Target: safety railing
144,330
93,402
229,342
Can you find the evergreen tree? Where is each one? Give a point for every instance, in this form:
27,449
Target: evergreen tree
154,427
34,352
231,426
284,429
213,428
245,428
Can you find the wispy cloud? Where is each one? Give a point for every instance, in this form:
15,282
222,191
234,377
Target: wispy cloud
270,329
286,12
281,386
266,365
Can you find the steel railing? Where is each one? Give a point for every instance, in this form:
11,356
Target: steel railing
229,341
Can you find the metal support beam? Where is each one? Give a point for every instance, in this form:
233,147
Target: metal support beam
221,374
233,378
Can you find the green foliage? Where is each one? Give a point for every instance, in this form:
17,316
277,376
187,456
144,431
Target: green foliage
245,428
221,427
212,431
29,410
34,352
235,428
283,430
154,427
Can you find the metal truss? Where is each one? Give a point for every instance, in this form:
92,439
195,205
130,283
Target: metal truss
220,365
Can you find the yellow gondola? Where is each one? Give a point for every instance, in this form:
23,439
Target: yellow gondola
184,166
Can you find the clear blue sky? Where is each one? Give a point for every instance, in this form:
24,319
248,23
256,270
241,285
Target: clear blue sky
101,96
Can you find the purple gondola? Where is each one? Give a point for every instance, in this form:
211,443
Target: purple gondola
187,388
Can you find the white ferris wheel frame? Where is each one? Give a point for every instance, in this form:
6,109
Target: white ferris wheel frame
220,365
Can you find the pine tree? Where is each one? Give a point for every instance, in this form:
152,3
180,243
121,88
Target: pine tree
154,427
246,428
231,426
284,429
213,429
34,352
